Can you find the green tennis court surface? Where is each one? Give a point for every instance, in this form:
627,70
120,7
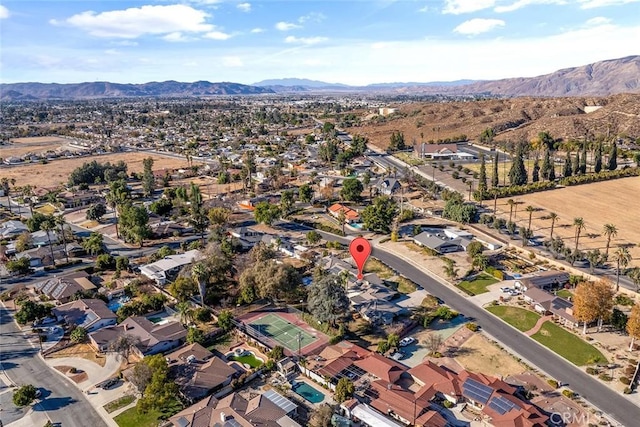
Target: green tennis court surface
282,331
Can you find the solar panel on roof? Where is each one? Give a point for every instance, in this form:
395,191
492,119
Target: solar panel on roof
476,391
502,405
232,423
281,401
182,422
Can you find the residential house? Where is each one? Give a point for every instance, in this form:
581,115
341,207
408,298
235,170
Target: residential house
387,186
406,406
63,289
152,338
350,216
247,236
372,299
269,409
198,372
12,229
91,314
441,245
281,244
71,199
166,269
543,280
545,303
164,229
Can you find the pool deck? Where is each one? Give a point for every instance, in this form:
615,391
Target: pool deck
246,346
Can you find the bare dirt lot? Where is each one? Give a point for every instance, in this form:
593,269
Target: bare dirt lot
21,146
480,355
57,172
611,202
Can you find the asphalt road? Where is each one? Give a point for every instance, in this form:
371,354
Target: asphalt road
62,401
613,404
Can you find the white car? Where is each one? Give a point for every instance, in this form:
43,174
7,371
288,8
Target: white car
406,341
506,289
398,355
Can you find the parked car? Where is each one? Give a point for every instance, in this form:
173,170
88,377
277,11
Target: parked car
38,393
407,341
108,384
398,355
505,289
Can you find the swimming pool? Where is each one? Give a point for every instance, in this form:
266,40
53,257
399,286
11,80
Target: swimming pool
115,304
308,392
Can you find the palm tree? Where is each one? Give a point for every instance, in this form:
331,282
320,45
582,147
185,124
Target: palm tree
201,274
342,217
622,258
187,314
531,210
578,223
553,217
610,231
510,202
47,226
61,222
451,271
634,275
6,185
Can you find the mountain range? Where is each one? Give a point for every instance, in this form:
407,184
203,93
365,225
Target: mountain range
598,79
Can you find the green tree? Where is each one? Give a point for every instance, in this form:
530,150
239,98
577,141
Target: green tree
576,164
286,202
633,325
547,166
553,217
30,311
344,390
266,213
186,312
495,178
134,223
119,194
393,340
61,222
195,335
225,320
199,221
96,212
518,173
480,262
24,242
305,192
597,158
396,141
327,300
535,173
201,275
482,178
474,248
579,225
351,190
313,237
380,215
24,395
148,180
567,171
583,159
622,258
94,244
183,288
456,210
6,184
530,209
79,335
487,135
613,157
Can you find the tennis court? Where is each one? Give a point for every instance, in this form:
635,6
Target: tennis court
290,336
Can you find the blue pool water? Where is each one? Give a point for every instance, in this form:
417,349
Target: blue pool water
308,392
115,304
307,280
356,225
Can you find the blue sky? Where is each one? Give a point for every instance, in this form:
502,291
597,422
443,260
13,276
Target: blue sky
353,42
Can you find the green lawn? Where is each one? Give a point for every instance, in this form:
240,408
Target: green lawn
478,285
568,345
114,405
519,318
249,359
131,418
564,293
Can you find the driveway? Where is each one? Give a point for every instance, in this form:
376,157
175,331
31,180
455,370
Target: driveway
95,373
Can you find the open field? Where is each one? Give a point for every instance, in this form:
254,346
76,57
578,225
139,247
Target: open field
57,171
35,145
568,345
600,203
519,318
480,355
478,285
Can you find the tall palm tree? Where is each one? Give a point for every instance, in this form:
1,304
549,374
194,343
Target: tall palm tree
47,226
610,231
201,274
531,210
622,258
187,314
6,185
553,217
634,275
510,202
61,222
578,223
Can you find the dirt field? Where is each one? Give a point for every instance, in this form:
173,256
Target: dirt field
35,145
480,355
84,351
57,171
616,202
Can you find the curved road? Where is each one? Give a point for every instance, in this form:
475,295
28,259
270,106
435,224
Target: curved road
616,406
62,401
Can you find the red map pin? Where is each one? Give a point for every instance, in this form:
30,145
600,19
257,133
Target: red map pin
360,249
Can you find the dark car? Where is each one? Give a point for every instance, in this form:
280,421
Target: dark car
110,383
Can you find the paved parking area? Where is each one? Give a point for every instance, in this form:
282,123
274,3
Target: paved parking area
494,293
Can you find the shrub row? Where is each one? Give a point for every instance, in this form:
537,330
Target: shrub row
601,176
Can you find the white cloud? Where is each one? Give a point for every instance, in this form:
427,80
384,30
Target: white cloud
125,43
135,22
245,7
598,20
424,9
257,30
592,4
477,26
176,36
4,12
312,17
232,61
217,35
286,26
112,52
519,4
305,40
457,7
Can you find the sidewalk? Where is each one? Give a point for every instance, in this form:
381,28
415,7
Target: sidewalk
538,325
